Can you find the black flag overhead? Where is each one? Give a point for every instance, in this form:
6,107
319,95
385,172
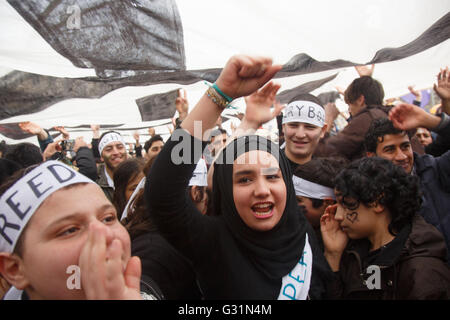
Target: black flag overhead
287,95
158,106
114,37
141,43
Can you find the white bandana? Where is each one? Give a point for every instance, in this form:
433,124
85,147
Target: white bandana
108,138
295,285
140,186
305,112
23,198
200,175
310,189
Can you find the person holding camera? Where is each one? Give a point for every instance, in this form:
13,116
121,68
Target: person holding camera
81,156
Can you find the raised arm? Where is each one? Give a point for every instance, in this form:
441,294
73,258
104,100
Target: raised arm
257,112
44,138
442,88
95,139
165,192
407,116
84,159
241,76
64,132
182,104
365,70
417,95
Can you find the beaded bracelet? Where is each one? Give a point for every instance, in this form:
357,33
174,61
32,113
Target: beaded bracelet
229,99
216,98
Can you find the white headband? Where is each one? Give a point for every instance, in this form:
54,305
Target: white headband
310,189
108,138
23,198
140,186
306,112
200,176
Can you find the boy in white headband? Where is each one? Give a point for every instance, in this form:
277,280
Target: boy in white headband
314,187
60,238
113,151
303,126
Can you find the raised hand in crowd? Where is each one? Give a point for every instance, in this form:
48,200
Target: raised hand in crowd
241,76
136,137
51,149
406,116
182,104
33,128
365,70
417,94
95,131
442,89
259,105
390,101
79,142
340,90
258,112
65,133
331,113
151,132
334,239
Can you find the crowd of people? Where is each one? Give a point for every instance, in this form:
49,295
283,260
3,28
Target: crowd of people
360,213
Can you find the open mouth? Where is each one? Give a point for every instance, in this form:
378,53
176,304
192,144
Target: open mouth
263,210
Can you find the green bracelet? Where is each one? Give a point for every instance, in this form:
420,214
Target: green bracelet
229,99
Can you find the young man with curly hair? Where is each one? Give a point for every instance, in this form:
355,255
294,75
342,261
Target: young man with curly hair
376,243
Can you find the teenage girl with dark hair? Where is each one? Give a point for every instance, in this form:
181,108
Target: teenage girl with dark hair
257,245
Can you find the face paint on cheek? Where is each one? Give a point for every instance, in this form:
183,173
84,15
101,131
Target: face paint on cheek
352,216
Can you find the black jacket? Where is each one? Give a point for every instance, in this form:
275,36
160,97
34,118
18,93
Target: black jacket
412,266
86,163
171,271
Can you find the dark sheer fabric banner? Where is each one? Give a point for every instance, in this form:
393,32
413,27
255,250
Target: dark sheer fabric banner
114,37
141,43
287,95
158,106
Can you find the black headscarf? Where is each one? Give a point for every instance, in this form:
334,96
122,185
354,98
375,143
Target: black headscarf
274,252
